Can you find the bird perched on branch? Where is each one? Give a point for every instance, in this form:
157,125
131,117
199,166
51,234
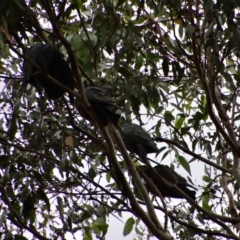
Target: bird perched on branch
138,141
168,174
102,104
51,61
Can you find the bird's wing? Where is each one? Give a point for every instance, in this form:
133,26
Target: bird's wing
143,168
138,134
28,69
170,175
100,95
41,55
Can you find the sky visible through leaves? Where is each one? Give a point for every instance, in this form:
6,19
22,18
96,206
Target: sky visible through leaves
173,68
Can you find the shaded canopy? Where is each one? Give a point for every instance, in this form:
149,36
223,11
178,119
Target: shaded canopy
175,65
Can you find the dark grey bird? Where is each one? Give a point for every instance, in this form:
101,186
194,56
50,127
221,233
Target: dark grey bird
138,141
102,103
51,61
168,174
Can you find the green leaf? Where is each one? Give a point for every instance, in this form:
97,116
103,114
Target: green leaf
80,4
128,226
28,210
165,154
84,215
77,42
108,177
120,2
69,221
60,204
168,117
189,30
197,118
165,67
184,164
88,233
205,201
92,37
42,195
206,178
74,217
139,61
2,219
92,173
13,122
4,162
179,122
101,224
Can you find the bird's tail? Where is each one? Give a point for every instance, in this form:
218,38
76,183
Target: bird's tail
190,193
23,84
71,99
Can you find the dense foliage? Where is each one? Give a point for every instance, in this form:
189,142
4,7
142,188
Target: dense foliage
172,66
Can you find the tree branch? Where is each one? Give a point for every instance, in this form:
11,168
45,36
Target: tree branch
223,169
154,227
18,218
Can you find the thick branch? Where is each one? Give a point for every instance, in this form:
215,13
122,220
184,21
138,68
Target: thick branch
232,207
149,223
203,79
195,228
222,113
